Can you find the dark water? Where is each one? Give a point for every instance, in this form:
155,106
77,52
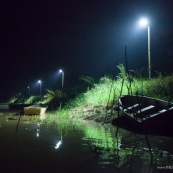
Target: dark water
79,147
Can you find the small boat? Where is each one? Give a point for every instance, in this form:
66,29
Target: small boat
144,114
35,110
18,105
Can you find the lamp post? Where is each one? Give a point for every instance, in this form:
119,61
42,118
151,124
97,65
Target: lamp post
40,82
28,90
145,22
61,71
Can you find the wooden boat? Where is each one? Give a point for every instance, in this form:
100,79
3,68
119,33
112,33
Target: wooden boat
18,105
35,110
145,114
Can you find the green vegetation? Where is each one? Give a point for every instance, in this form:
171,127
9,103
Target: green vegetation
31,99
103,94
106,92
108,89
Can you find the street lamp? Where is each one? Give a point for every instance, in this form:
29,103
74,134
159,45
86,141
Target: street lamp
28,90
61,71
40,82
145,22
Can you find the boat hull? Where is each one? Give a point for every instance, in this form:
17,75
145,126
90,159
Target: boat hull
34,110
145,115
18,106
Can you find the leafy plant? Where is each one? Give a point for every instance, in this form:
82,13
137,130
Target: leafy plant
88,79
33,100
54,98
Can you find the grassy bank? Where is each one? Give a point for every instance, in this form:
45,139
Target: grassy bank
98,101
107,91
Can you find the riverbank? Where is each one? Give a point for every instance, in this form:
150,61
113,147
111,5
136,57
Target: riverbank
98,101
100,114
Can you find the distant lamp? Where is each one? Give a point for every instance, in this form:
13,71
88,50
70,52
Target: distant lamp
28,90
40,82
61,71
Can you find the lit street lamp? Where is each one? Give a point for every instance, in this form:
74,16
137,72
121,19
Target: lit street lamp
28,90
40,82
61,71
145,22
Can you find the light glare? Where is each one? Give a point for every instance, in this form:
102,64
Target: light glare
143,22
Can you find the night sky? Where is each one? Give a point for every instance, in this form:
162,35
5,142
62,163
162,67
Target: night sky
82,37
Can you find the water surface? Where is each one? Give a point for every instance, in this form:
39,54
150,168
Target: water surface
79,147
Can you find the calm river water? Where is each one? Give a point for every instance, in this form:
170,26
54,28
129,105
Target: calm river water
79,147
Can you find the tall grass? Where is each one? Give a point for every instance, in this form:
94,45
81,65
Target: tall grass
109,89
31,99
160,87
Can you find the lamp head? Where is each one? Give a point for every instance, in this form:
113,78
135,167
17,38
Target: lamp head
143,22
39,81
61,71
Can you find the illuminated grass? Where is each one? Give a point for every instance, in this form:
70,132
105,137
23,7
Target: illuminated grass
59,119
58,116
32,99
107,91
160,87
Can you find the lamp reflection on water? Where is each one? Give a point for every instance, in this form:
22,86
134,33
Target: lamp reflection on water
38,130
59,142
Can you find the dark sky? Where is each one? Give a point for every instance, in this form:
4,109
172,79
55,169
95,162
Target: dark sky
81,36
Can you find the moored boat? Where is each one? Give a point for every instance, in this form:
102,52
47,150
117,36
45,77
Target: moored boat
18,105
144,114
35,110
